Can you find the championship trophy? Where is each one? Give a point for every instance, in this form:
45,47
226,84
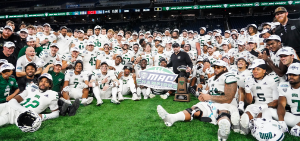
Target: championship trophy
182,94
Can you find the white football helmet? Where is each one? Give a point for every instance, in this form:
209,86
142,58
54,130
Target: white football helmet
266,129
29,121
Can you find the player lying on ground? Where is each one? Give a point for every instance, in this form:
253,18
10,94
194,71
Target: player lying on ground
214,105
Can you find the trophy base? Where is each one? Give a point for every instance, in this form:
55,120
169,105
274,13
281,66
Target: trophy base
182,97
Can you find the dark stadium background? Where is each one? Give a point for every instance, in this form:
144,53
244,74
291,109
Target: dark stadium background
215,18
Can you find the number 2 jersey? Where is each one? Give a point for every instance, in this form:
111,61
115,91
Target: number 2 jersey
38,101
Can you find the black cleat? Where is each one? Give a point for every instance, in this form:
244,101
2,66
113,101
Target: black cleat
73,108
63,109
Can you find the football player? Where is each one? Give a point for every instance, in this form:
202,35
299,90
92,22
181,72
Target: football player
89,56
70,58
46,38
80,42
127,83
127,54
34,98
241,52
105,55
76,85
288,95
220,92
202,39
262,88
142,89
159,54
148,55
96,38
50,56
104,84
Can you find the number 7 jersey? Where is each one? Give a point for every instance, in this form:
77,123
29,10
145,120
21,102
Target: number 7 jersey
38,101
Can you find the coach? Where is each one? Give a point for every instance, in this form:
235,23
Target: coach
289,29
179,58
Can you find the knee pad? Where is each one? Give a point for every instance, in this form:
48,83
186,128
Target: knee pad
223,115
192,112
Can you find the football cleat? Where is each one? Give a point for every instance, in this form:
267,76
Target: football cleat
73,108
66,101
152,95
63,109
163,114
224,129
235,120
99,102
164,96
244,124
135,97
120,97
114,101
87,101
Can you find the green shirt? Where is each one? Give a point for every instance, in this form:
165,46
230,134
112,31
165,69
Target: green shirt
6,86
38,50
58,80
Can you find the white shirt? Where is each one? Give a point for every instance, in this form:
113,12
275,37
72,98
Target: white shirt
64,43
23,61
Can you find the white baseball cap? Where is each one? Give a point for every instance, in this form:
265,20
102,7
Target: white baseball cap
157,39
190,31
7,66
24,30
227,31
224,43
202,28
218,34
8,27
251,25
263,32
256,63
125,43
210,46
241,42
58,63
148,32
176,30
46,75
54,45
90,43
220,63
286,51
75,49
234,33
9,44
80,31
141,33
106,44
150,36
3,61
200,59
251,40
274,37
134,33
97,27
294,68
120,34
30,38
46,24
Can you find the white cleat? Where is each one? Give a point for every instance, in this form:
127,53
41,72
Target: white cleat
135,97
99,102
164,96
114,101
235,120
152,95
66,101
120,97
87,101
163,114
224,129
244,124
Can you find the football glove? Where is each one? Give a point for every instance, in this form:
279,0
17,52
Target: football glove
66,89
295,131
284,127
82,86
29,121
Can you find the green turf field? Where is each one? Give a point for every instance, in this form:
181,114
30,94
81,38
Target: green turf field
131,120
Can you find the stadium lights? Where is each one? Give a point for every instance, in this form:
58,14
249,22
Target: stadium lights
124,17
109,18
229,13
154,16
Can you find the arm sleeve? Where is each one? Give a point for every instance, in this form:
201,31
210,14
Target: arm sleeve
52,115
254,53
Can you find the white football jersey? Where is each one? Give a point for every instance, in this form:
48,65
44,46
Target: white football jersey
126,57
105,57
168,53
216,87
80,44
192,42
203,40
241,76
38,101
97,41
89,59
116,46
98,76
68,57
179,41
292,96
118,68
149,59
263,91
212,58
125,79
50,37
157,57
73,79
47,58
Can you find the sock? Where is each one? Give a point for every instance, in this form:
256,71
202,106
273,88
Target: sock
241,105
180,116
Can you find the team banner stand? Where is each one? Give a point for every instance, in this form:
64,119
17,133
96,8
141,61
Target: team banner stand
182,94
